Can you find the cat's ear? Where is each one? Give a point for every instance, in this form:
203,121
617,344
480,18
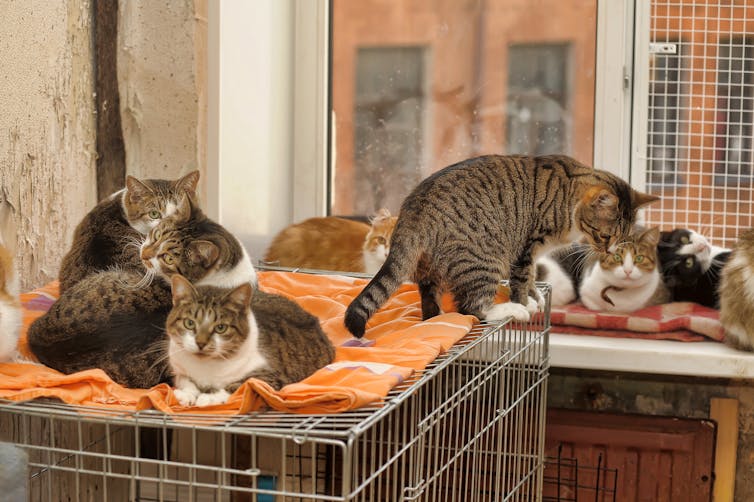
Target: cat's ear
136,189
187,183
651,236
640,199
241,295
185,209
381,214
600,199
182,289
203,253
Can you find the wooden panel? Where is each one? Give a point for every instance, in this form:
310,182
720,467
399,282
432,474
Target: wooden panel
725,413
656,458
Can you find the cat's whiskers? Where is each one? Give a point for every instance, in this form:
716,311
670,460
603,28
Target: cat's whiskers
145,281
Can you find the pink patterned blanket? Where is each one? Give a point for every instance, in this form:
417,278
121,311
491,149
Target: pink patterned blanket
682,321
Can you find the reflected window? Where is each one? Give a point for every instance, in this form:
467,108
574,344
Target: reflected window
389,124
538,110
735,105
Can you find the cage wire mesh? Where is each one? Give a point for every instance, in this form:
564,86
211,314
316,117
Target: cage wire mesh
701,116
470,427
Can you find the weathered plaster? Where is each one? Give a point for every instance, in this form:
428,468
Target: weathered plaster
46,130
161,59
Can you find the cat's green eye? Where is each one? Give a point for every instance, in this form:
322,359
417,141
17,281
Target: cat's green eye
155,214
168,259
639,258
618,258
685,239
689,262
156,235
221,328
381,240
189,323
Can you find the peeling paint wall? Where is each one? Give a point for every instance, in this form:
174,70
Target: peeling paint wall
162,82
47,151
661,396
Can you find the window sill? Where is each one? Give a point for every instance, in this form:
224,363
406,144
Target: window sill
699,359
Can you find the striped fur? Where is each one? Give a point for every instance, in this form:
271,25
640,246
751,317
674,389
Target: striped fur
468,226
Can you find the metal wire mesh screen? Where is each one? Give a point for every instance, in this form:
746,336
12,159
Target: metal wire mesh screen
470,427
701,110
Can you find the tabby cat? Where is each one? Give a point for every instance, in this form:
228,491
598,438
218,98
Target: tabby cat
103,321
109,234
691,266
10,306
220,337
471,224
626,279
332,243
737,293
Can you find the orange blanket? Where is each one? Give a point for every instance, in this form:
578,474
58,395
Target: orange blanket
396,344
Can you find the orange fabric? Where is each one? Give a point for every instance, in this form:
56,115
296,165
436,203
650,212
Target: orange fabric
399,344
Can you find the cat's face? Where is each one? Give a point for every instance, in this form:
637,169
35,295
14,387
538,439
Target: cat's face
208,322
172,248
606,217
147,202
377,241
685,256
634,260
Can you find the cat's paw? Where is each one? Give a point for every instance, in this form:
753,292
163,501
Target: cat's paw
208,399
502,311
186,397
539,298
532,305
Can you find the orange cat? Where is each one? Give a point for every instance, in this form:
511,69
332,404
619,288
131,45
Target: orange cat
332,243
10,306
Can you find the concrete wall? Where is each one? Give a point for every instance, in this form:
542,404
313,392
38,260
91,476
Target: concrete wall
162,84
46,129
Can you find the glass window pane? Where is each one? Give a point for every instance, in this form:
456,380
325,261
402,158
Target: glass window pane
420,84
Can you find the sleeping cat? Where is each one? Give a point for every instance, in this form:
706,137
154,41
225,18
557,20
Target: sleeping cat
10,306
109,234
104,322
626,279
471,224
332,243
220,337
737,293
691,266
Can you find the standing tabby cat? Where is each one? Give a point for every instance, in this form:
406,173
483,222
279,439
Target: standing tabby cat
104,322
691,266
332,243
220,337
626,279
10,306
737,293
109,234
470,225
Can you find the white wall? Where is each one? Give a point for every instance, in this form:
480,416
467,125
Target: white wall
250,118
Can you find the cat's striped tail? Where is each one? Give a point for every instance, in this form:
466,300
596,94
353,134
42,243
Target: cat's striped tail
398,267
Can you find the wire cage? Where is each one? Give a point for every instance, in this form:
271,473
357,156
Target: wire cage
470,427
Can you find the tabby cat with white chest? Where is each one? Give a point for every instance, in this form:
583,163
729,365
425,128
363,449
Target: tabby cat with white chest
626,279
469,225
220,337
103,321
332,243
109,235
737,293
691,266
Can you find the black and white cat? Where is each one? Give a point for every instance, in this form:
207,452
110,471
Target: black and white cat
691,266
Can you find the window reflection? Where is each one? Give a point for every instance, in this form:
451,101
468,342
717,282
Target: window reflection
420,84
